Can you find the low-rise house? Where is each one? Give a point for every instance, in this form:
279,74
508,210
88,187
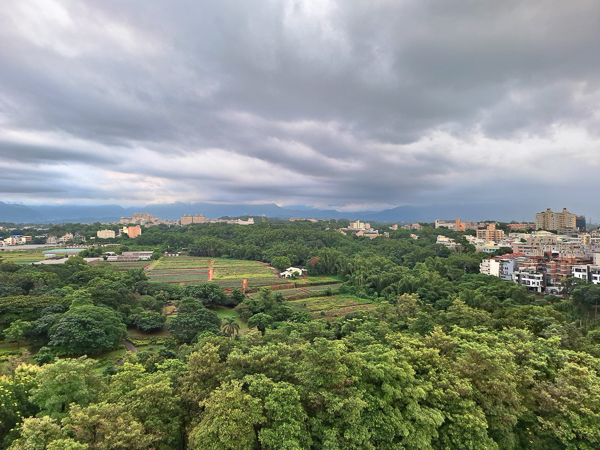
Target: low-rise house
447,242
532,280
292,271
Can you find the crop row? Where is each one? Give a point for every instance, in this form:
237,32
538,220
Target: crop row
311,288
182,262
229,283
180,278
234,262
177,272
266,281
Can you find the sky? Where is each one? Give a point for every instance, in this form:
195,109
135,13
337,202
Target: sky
353,105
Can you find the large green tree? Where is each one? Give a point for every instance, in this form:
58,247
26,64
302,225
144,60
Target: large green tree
87,329
192,321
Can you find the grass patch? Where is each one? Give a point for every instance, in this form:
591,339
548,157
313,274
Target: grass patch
320,279
225,313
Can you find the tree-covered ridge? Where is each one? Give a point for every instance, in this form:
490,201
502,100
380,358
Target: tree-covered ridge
366,381
446,358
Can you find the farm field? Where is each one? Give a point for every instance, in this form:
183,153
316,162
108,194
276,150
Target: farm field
331,307
22,257
226,273
181,262
304,289
226,268
320,279
180,269
124,266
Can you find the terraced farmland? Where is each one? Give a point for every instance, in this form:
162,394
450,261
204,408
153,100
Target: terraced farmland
331,307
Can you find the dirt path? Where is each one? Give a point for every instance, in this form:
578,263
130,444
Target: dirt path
129,346
210,270
150,266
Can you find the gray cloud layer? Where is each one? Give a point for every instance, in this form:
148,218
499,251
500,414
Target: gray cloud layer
362,104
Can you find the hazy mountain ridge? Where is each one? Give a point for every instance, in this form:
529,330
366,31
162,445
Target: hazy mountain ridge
19,213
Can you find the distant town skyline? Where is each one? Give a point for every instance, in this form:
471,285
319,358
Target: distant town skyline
340,105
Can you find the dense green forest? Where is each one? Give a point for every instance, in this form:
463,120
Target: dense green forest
446,358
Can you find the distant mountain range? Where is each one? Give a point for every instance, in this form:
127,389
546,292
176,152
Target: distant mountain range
18,213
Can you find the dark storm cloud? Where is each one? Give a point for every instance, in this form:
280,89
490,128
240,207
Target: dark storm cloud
32,154
327,102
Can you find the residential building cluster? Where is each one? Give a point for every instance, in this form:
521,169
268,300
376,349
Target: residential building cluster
188,219
457,225
15,239
414,226
541,260
146,219
67,238
358,228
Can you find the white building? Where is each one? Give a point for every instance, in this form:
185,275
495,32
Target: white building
587,272
499,267
532,280
292,271
106,234
450,224
358,225
446,242
580,271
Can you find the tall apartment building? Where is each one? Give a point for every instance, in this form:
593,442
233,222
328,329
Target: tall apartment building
133,231
490,233
358,225
188,219
549,220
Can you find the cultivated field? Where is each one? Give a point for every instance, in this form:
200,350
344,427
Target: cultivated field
226,273
331,307
229,273
124,266
22,257
305,290
180,269
181,262
227,268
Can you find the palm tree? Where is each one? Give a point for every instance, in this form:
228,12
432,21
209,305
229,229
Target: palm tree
230,326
